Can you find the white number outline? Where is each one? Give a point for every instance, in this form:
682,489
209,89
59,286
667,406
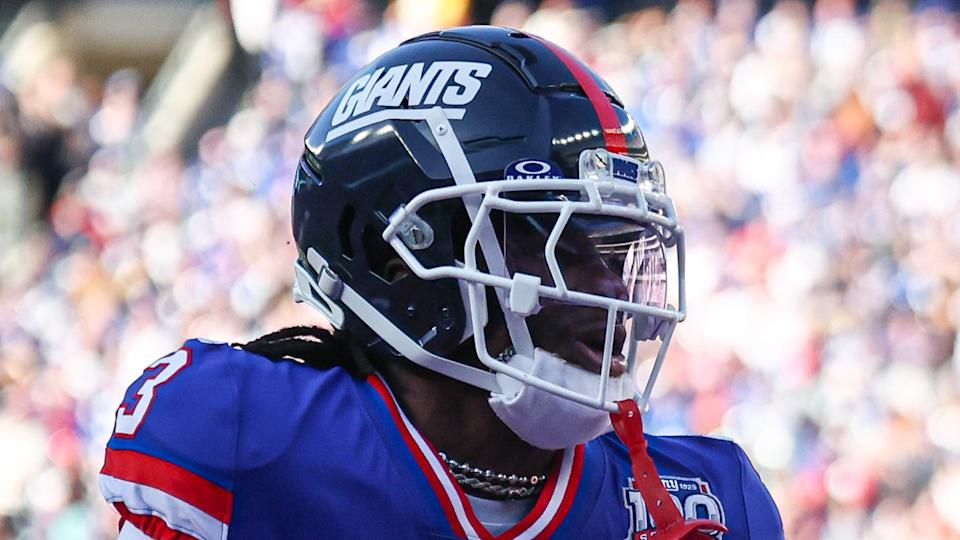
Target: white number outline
641,520
128,421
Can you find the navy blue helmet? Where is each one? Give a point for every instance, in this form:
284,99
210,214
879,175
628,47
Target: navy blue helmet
410,172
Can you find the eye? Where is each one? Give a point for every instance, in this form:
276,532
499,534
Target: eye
615,261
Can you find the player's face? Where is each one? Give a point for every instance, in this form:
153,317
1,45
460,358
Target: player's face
575,333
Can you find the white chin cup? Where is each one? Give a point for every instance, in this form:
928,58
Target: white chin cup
549,421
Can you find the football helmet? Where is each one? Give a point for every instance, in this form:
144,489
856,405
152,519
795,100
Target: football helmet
448,159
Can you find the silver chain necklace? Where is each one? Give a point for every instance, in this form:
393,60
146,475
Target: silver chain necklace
497,484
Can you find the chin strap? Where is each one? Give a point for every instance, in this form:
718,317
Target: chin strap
670,524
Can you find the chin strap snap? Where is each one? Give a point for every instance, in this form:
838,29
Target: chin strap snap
670,524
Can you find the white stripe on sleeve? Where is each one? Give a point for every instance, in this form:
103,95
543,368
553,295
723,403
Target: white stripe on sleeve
130,532
177,514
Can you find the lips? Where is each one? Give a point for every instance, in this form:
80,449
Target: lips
588,350
576,334
590,357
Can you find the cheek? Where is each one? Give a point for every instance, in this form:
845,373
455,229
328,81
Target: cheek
533,264
496,329
585,274
553,324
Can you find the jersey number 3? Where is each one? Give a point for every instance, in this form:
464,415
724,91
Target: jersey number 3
132,411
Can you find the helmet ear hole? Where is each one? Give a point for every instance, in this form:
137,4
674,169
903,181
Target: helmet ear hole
394,270
460,225
343,230
381,259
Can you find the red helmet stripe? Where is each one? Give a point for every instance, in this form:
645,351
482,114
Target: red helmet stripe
612,133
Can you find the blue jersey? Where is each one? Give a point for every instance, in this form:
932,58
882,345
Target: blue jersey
216,442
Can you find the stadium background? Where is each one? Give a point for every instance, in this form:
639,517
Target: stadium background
146,156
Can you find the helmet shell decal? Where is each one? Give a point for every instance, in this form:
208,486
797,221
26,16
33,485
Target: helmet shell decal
412,85
532,168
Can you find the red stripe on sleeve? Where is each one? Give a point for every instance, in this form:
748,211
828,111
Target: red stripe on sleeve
612,133
150,525
187,486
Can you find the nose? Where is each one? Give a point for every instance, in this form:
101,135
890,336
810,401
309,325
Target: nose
611,285
599,279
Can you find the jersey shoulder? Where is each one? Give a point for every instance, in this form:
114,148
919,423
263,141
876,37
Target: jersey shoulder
190,422
711,468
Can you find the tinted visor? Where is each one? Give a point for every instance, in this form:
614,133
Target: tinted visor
609,257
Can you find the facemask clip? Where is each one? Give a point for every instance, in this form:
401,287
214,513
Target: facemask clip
525,295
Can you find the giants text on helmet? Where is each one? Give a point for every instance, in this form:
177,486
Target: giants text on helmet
453,82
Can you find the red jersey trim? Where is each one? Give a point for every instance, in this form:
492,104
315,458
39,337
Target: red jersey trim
150,525
421,459
547,514
569,495
185,485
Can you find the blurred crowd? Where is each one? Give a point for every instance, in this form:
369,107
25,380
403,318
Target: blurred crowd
813,151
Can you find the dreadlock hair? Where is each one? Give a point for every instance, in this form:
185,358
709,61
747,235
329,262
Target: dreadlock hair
314,346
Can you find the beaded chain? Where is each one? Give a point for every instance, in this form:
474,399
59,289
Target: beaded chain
497,484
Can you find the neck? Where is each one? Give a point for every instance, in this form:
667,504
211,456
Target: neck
457,420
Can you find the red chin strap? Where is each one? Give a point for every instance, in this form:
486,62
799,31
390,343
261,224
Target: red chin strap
670,524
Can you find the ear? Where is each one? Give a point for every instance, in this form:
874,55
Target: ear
394,270
381,258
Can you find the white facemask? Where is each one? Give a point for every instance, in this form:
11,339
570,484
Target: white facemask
546,420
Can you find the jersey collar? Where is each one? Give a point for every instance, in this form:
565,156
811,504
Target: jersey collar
550,510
